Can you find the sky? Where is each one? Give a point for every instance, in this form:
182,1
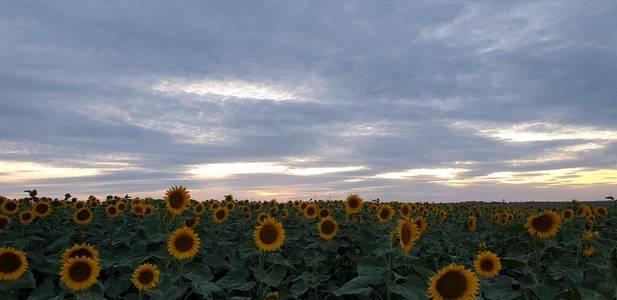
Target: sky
402,100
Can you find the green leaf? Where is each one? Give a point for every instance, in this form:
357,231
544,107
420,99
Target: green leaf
299,288
207,288
61,243
199,273
26,281
413,288
43,291
358,285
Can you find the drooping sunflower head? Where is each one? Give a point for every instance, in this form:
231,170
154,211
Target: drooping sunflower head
487,264
385,213
408,233
220,215
269,235
471,223
145,277
80,250
310,212
177,200
327,228
42,209
13,264
83,216
79,273
26,217
543,225
353,204
453,282
10,207
4,222
183,243
568,214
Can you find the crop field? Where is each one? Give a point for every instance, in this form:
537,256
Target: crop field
180,248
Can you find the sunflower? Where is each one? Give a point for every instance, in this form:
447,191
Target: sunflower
543,225
4,222
220,215
84,250
324,213
230,205
26,217
567,214
471,223
600,211
177,200
589,250
83,216
199,208
408,233
303,206
79,273
148,209
112,211
405,210
285,213
42,209
310,212
327,228
487,264
353,203
146,276
121,206
13,263
137,209
10,207
192,222
583,211
262,217
453,282
80,205
421,223
183,243
385,213
247,215
269,235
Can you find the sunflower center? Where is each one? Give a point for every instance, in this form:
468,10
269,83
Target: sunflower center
486,265
452,285
145,277
199,208
353,203
41,208
324,213
327,227
220,214
310,211
384,214
9,262
176,199
81,252
112,210
268,234
80,271
405,234
567,214
11,206
26,216
83,215
122,206
184,242
138,209
542,223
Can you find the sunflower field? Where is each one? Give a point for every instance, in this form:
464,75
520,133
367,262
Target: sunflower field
180,248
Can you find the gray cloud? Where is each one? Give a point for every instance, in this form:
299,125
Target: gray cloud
385,86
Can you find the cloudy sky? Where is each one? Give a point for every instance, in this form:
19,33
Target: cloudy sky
422,101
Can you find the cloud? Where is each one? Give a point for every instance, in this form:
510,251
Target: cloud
222,170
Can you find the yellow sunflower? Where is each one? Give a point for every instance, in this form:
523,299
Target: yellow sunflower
79,273
589,250
10,207
13,263
146,276
83,216
543,225
4,222
80,250
183,243
385,213
421,223
324,213
600,211
405,210
453,282
177,200
42,209
353,204
262,217
310,212
112,211
26,217
199,208
220,215
408,233
327,228
269,235
567,214
487,264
